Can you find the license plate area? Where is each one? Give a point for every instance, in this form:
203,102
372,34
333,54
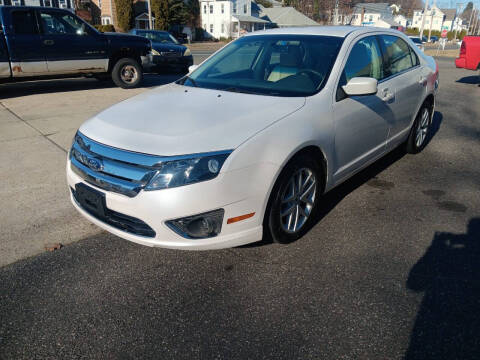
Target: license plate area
91,200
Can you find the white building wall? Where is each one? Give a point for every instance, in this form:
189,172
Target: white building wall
216,18
436,20
369,18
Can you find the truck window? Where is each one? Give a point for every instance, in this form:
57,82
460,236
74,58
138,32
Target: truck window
24,22
56,23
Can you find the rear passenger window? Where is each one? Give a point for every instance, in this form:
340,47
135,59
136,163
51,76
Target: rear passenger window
365,60
24,22
398,55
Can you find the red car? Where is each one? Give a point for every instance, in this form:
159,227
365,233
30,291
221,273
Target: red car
469,53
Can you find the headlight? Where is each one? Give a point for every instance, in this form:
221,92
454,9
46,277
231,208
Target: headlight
188,170
187,52
155,52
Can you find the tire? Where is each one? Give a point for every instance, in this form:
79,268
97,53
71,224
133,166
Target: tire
416,142
127,73
283,229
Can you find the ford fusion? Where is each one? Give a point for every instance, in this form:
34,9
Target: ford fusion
246,144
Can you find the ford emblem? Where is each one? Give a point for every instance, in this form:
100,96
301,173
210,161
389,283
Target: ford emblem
95,164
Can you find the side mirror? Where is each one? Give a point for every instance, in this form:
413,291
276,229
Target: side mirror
192,68
361,86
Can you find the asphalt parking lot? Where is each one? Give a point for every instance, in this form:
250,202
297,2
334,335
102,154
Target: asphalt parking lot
390,271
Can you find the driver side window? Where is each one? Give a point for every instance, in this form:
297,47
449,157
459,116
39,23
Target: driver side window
56,23
365,60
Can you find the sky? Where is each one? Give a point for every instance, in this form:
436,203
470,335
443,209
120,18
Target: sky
450,4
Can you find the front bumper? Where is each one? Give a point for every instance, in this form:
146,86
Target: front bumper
235,192
173,61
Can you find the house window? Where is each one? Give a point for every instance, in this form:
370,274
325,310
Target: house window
223,28
234,7
223,8
245,8
211,9
204,9
205,27
99,4
47,3
370,18
211,28
106,20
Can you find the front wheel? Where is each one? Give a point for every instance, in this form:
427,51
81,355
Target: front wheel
127,73
294,200
418,135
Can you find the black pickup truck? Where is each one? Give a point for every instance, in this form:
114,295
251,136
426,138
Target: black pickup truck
38,42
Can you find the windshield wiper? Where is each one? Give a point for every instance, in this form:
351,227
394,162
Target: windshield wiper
191,80
238,90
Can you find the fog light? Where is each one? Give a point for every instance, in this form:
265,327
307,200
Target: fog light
199,226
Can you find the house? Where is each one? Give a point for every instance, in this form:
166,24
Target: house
401,20
373,14
433,19
451,21
62,4
286,17
232,18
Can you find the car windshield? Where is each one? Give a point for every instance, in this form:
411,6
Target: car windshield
416,40
276,65
158,37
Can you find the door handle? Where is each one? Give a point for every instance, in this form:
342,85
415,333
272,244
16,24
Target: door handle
387,96
48,42
422,81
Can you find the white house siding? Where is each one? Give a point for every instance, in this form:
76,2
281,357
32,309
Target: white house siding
436,20
218,23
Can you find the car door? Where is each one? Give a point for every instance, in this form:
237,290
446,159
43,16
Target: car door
404,72
70,45
24,45
362,123
4,61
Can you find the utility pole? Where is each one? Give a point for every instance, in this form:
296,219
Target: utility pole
470,21
455,19
476,22
335,13
431,20
423,20
150,24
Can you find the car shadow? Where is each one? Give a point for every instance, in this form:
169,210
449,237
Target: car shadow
331,199
12,90
473,79
448,321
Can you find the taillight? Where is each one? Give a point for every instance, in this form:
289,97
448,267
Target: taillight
463,49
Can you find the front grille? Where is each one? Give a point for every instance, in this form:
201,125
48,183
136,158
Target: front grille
120,221
171,54
112,169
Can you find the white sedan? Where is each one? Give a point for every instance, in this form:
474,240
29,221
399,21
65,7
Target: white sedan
247,143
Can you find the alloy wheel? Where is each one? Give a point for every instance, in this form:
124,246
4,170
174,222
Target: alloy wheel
422,128
298,200
129,74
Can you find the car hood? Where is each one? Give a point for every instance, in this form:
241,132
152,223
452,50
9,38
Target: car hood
168,47
178,120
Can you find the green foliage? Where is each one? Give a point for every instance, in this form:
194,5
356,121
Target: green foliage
125,14
105,28
450,34
264,3
160,9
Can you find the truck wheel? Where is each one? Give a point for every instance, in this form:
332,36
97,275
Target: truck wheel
127,73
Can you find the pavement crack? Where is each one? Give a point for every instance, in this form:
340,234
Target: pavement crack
32,127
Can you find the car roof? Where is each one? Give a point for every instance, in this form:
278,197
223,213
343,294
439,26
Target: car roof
338,31
147,30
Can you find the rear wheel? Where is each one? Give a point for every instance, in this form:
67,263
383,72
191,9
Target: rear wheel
294,199
418,135
127,73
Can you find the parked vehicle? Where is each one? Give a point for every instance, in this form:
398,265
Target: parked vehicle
38,42
469,57
433,39
418,42
248,142
167,51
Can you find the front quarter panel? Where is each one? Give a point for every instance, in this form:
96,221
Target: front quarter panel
274,146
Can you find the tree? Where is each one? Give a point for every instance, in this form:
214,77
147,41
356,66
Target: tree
125,14
178,12
160,9
264,3
467,12
193,13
